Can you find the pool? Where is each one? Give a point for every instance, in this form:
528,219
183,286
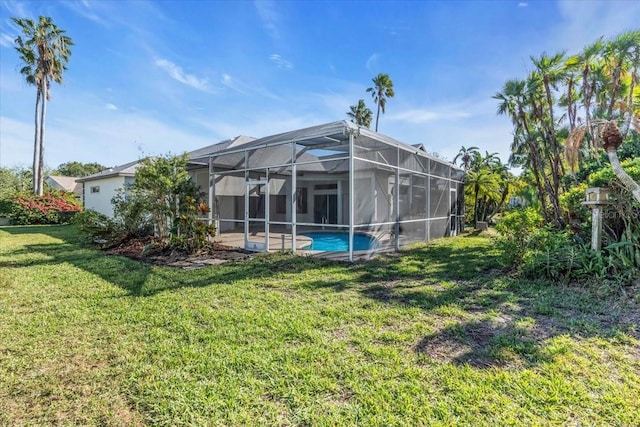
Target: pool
339,241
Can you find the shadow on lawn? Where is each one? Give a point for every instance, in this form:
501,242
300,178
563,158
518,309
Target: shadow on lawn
136,277
480,317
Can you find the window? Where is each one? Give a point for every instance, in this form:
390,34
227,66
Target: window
281,204
95,189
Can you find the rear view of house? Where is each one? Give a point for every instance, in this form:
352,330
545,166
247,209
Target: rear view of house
98,189
336,181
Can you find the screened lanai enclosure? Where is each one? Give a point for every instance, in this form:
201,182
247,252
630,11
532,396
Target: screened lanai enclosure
336,187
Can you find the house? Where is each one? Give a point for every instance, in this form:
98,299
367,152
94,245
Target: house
98,189
69,184
332,187
334,181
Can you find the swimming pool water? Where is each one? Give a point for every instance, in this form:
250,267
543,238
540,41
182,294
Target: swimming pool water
339,242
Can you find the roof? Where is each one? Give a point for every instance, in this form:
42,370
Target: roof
66,183
128,169
319,136
219,146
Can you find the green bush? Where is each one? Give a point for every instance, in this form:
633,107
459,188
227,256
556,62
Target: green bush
5,207
56,207
95,225
131,214
517,229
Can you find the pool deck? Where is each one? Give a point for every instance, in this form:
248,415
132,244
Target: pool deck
283,241
277,241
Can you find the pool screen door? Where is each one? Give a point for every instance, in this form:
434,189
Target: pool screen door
255,215
453,213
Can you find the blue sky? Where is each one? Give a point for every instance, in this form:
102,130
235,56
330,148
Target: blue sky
171,76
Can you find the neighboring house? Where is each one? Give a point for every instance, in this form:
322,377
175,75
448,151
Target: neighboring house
99,188
280,191
69,184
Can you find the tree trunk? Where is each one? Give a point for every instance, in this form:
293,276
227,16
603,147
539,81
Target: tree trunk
378,115
623,176
35,168
43,113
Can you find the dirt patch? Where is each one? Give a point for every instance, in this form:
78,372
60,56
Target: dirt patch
150,250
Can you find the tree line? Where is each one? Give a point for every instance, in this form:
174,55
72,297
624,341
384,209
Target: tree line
567,109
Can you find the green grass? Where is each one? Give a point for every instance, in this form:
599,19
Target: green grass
436,336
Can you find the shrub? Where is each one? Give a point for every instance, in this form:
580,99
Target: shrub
517,229
95,225
190,233
5,207
131,214
56,207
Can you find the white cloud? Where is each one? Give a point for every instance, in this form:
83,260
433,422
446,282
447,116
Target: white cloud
580,26
111,107
269,16
177,73
86,10
423,116
245,89
280,61
523,4
372,62
109,139
6,40
232,83
16,8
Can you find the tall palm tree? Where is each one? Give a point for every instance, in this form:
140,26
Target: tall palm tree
44,51
620,73
382,90
466,156
516,101
360,114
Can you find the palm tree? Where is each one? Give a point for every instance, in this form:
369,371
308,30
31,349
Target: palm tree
44,51
620,74
360,114
382,90
517,101
466,156
483,185
608,132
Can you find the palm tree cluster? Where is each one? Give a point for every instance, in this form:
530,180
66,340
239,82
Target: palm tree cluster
567,108
488,182
44,50
381,90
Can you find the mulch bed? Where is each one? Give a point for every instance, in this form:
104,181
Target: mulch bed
149,250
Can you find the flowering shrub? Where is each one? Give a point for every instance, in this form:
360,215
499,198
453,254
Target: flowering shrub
56,207
192,233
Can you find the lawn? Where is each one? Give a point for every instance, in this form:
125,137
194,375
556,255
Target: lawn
439,335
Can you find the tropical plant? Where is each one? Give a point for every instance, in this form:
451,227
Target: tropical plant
381,90
466,156
570,107
44,50
360,114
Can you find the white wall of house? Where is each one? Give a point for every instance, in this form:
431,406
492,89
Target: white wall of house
98,194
